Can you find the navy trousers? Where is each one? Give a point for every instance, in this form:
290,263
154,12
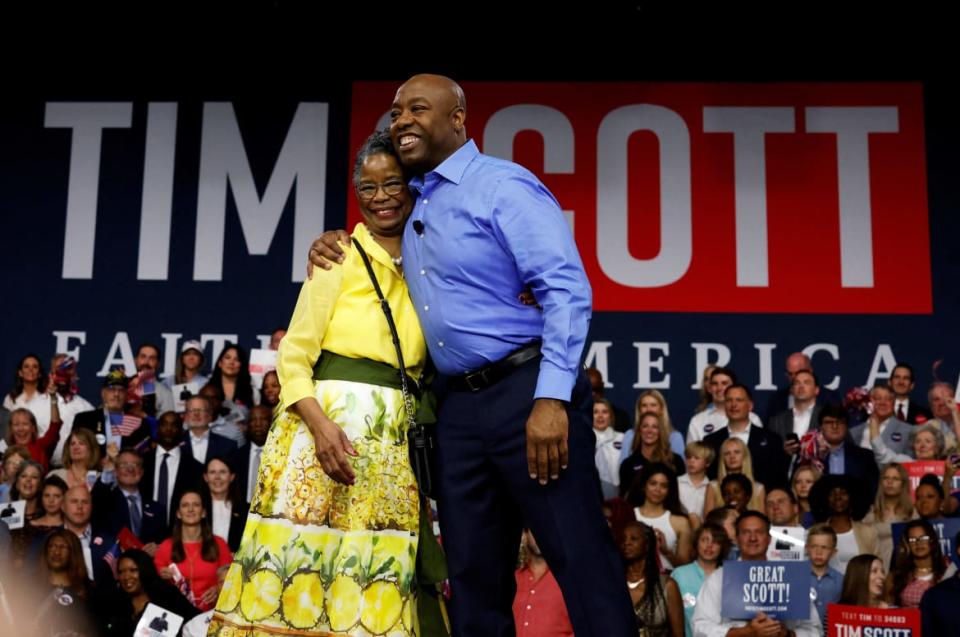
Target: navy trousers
486,497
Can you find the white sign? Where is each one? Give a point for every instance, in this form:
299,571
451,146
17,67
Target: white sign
158,622
14,513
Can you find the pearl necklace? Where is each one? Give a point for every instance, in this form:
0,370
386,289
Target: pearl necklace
633,585
397,261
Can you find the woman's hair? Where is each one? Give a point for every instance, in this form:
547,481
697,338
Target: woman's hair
931,480
179,374
661,451
651,573
150,582
637,494
15,490
233,491
903,563
54,481
719,536
378,143
856,582
87,438
15,450
263,383
704,395
904,508
76,569
244,391
747,467
610,411
33,422
938,438
209,551
664,412
700,449
804,504
18,382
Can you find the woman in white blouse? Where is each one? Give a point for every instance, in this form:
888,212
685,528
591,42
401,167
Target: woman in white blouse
221,498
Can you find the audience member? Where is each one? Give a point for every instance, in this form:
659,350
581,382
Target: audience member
81,460
227,509
918,566
651,445
864,583
655,595
538,608
656,502
710,545
840,502
693,483
735,458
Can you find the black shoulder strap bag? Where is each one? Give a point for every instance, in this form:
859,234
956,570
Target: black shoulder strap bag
420,440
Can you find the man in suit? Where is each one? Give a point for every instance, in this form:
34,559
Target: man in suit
895,432
845,456
106,422
167,470
766,447
909,411
804,389
247,459
782,399
203,443
76,509
118,502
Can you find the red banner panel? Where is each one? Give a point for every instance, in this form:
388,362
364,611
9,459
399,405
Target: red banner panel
781,197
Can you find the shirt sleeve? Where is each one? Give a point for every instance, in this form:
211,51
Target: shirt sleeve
162,557
528,220
707,621
300,347
883,454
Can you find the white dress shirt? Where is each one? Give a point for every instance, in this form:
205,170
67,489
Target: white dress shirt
199,444
85,538
173,463
714,419
221,518
801,419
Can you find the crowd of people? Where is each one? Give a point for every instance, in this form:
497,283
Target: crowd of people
131,502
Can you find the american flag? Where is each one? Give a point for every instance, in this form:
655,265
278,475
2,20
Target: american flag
112,556
127,426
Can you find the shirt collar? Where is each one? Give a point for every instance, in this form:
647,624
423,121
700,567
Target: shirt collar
451,168
198,439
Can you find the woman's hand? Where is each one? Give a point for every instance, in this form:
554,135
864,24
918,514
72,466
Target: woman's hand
209,597
165,573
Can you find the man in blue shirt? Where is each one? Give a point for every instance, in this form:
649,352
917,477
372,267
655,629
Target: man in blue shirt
514,446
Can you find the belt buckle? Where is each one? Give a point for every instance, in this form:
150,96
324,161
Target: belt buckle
479,374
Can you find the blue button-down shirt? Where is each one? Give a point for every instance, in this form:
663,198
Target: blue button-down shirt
835,461
490,229
827,589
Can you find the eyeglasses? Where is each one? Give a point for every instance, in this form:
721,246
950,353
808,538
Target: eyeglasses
128,465
919,538
366,192
198,411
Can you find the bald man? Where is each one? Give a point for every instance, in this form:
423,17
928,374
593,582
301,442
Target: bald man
514,446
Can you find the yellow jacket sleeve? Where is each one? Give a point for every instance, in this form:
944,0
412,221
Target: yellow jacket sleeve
300,347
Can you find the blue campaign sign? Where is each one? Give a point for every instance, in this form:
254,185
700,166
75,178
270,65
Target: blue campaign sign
779,589
946,530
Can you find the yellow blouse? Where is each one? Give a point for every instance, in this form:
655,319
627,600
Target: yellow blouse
338,311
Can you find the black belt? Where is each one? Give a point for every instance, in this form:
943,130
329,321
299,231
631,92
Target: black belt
494,372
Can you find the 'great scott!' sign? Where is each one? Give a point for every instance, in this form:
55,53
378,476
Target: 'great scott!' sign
779,589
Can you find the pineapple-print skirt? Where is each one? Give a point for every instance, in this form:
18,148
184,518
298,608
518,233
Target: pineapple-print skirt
319,557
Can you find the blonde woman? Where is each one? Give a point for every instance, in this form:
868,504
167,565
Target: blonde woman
892,505
81,455
734,458
650,445
651,402
802,481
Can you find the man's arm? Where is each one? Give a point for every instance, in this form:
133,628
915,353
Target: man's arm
326,250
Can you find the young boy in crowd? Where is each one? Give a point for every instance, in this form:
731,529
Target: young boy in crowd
693,484
826,582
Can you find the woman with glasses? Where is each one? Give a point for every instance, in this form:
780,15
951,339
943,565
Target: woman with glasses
333,528
919,564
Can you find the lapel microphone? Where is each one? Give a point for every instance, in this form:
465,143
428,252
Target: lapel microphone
418,227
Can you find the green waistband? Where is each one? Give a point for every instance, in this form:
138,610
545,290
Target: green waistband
333,366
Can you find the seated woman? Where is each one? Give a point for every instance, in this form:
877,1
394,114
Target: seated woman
227,508
607,454
919,565
66,606
864,583
81,460
270,390
24,432
802,481
193,552
710,545
736,490
651,401
51,501
231,375
735,458
926,442
650,445
839,500
656,501
928,499
13,457
139,584
655,595
891,505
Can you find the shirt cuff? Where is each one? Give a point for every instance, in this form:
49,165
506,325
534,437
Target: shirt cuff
108,476
296,389
554,383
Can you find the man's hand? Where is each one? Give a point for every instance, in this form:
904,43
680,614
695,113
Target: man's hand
332,448
547,430
326,249
150,548
791,446
873,423
763,626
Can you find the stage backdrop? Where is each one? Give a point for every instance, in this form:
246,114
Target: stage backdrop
718,222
